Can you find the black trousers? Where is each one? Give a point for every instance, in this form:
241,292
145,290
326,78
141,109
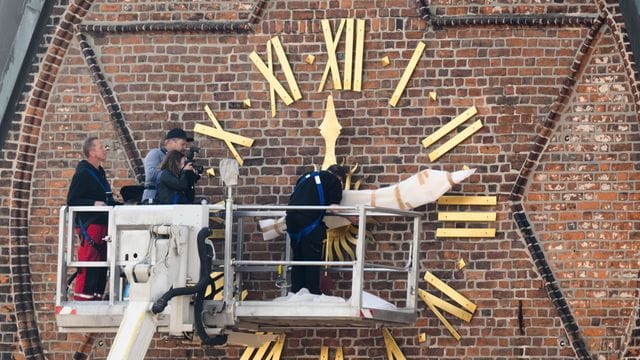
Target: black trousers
308,248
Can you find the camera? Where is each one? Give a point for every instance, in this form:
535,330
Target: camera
190,159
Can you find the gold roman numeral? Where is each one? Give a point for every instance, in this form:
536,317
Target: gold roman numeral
408,71
434,303
218,133
393,350
251,353
354,54
472,216
455,140
267,73
324,353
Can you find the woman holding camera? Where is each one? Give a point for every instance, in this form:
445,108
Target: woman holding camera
173,182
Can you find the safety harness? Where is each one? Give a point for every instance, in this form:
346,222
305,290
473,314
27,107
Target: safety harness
83,230
297,236
85,236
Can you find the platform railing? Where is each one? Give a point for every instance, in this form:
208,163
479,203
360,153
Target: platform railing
357,266
67,250
235,263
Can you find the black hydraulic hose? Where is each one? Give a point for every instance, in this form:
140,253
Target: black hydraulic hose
160,304
200,288
205,268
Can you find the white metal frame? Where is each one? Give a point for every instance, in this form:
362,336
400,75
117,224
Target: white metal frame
350,313
233,312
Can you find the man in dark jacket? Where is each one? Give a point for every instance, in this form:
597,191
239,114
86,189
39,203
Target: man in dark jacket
89,187
306,227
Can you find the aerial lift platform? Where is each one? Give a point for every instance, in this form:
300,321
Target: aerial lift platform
166,256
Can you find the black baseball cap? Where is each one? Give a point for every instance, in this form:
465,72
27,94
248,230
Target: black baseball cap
177,133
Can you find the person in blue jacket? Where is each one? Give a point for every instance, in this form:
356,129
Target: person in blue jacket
306,228
173,181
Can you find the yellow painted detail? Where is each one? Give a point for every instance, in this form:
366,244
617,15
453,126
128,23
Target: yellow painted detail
348,55
331,49
422,337
324,353
310,59
233,150
330,130
442,319
286,68
268,75
441,304
222,135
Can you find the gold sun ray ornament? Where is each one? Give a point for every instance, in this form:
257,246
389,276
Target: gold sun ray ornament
343,239
347,182
341,233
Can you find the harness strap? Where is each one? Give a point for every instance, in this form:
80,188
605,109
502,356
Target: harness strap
83,230
85,235
297,236
104,184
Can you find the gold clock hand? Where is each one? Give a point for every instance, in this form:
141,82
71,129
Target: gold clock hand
330,130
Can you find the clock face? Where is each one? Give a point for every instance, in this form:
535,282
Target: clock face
512,73
350,79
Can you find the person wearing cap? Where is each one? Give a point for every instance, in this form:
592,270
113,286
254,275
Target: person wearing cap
176,139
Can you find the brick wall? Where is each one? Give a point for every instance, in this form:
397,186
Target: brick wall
580,200
9,342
